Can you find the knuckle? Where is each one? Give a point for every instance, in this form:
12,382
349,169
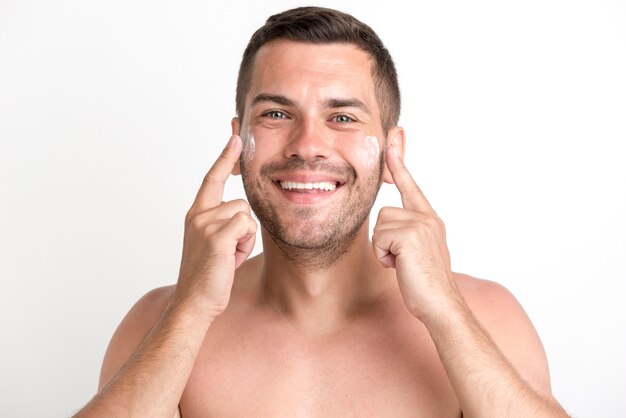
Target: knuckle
431,221
196,223
384,213
241,217
189,216
436,222
241,205
238,216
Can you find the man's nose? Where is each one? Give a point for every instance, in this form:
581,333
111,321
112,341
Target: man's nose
309,141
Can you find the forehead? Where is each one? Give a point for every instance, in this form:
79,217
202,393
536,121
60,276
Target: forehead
305,71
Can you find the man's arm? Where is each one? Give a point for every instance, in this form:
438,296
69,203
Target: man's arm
412,240
508,325
146,366
503,372
146,376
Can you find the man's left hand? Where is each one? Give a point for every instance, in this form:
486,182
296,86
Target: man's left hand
412,239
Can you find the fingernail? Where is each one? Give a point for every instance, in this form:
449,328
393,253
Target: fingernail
395,151
231,141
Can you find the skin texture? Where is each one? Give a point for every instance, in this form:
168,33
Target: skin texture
378,327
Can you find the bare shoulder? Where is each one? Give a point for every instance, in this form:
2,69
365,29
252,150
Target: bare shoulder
506,321
493,305
130,333
486,295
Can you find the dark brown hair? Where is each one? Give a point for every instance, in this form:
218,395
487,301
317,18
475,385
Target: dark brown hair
319,25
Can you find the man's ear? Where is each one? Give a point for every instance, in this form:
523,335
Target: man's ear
235,127
395,138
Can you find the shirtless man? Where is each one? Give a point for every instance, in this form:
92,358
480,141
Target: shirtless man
324,322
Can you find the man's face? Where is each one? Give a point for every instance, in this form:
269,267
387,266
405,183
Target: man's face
313,143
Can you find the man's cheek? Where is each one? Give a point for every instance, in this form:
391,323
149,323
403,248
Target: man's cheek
366,150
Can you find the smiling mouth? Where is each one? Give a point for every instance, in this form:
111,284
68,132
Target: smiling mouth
315,187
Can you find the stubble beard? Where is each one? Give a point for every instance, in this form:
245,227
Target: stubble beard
314,244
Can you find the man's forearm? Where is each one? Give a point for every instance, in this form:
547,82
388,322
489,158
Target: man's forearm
485,382
153,379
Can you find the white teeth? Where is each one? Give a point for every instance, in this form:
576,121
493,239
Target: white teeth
324,185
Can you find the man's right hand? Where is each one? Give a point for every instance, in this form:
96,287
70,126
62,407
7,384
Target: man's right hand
219,237
153,351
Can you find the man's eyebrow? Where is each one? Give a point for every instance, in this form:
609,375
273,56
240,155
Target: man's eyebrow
331,103
349,102
275,98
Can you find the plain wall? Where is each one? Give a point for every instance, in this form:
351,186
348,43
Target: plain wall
111,113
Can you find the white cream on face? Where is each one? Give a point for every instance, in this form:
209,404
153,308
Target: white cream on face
249,144
250,147
373,150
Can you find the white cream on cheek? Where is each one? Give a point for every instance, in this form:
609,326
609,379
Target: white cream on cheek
373,151
249,145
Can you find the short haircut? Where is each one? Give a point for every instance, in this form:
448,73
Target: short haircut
319,25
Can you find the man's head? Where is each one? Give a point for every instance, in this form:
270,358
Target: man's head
315,130
318,25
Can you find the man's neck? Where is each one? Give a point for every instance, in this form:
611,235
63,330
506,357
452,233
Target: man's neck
324,300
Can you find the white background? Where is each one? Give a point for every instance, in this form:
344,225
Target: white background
111,112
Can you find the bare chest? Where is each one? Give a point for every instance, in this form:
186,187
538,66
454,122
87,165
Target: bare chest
261,370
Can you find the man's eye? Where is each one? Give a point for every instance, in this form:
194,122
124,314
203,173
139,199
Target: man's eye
343,119
275,114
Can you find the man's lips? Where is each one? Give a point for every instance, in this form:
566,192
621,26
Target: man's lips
322,186
308,182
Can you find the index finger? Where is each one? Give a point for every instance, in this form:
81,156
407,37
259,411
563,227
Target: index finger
411,194
212,188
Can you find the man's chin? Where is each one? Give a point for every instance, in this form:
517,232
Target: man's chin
313,251
304,238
